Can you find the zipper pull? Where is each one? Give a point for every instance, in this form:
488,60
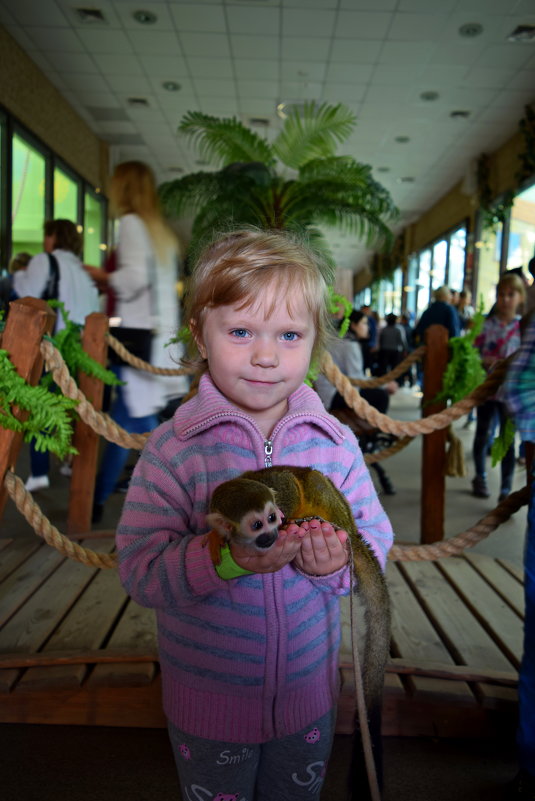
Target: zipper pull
268,451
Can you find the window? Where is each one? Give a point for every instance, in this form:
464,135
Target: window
28,197
522,230
439,261
65,196
457,259
422,282
410,288
94,215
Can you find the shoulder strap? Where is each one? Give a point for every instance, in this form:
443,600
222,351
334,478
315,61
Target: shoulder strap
51,290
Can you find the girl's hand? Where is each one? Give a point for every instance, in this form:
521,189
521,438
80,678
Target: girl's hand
282,552
323,550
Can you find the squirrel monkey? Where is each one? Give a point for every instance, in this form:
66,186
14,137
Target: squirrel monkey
243,511
257,501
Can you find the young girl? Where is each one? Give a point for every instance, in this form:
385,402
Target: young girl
499,338
249,663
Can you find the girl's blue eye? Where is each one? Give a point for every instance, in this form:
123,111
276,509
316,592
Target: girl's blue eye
290,336
239,332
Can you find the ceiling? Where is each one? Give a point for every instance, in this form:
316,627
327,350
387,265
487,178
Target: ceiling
243,57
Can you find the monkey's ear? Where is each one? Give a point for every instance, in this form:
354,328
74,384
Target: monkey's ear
220,523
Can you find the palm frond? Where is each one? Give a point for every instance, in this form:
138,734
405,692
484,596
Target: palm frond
189,193
222,141
313,133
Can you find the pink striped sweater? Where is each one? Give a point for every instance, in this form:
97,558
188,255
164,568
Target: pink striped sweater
252,658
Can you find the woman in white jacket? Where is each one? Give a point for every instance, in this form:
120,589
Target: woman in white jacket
144,285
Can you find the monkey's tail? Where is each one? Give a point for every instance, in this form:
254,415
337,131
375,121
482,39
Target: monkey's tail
369,672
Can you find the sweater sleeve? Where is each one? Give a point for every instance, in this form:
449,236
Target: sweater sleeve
162,563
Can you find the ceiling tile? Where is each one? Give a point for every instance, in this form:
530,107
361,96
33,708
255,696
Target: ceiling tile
259,68
28,12
205,44
258,89
488,78
362,25
104,41
51,39
214,87
83,82
199,18
75,62
416,27
120,63
312,49
163,66
133,84
294,90
307,22
211,67
255,47
154,43
349,73
355,51
251,19
397,53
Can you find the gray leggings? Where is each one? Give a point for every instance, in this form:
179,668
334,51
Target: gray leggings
290,769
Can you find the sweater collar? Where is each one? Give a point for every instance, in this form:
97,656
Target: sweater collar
209,407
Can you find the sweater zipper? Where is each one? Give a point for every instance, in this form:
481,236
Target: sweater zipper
268,453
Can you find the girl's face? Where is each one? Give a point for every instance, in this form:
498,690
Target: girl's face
507,302
257,363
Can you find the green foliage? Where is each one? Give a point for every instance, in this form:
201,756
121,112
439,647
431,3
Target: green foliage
464,371
50,415
294,183
335,302
69,343
503,442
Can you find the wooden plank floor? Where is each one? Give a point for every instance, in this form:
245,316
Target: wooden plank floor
61,623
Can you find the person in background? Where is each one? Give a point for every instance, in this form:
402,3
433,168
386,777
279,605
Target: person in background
499,338
369,346
519,396
144,284
347,354
440,312
62,242
465,310
19,262
393,345
249,645
405,322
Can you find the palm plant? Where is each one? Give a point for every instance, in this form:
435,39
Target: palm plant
295,183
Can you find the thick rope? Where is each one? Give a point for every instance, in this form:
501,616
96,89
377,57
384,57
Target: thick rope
99,422
426,425
401,368
44,528
456,545
407,553
140,364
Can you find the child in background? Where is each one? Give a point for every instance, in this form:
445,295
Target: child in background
249,663
499,338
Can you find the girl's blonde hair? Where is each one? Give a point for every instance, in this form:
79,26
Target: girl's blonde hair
237,268
511,280
133,190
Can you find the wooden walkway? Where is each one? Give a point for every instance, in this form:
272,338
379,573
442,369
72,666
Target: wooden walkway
75,650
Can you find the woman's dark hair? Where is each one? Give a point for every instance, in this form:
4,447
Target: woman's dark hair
66,235
391,319
356,316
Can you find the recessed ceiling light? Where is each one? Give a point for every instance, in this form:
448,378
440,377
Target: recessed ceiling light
144,17
402,139
429,96
470,30
406,180
522,33
383,169
171,86
259,122
458,115
137,101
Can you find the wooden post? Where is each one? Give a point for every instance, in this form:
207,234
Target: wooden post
27,321
433,445
85,440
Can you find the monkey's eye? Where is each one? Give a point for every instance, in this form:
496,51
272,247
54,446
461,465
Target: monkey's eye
256,525
272,518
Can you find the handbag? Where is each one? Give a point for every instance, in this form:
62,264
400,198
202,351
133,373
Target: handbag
136,340
51,290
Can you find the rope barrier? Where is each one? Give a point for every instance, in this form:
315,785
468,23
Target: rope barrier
413,553
140,364
426,425
52,536
401,368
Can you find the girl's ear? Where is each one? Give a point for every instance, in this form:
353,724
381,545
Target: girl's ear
196,334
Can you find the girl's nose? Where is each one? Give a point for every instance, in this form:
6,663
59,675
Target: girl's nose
265,354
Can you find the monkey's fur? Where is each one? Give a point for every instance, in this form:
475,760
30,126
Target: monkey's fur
301,492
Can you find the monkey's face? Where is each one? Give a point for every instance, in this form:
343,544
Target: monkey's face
260,529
